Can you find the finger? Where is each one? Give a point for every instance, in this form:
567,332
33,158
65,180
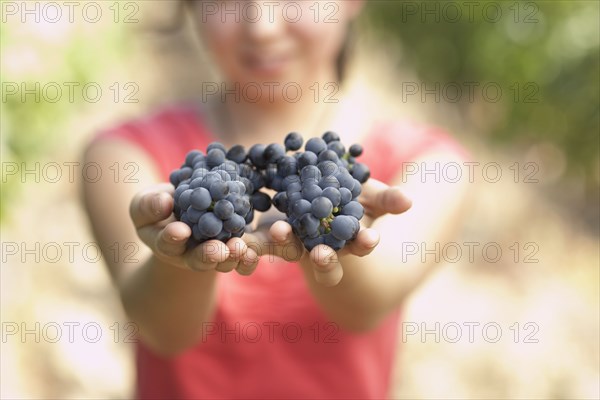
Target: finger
171,240
364,243
288,246
326,265
237,248
263,244
379,199
248,263
207,255
259,241
151,205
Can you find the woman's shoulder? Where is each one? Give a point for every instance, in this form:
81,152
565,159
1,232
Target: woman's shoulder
390,143
165,133
174,119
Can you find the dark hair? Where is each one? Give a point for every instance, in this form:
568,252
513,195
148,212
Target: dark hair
341,64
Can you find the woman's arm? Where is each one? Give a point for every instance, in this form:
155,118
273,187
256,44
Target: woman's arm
160,290
378,282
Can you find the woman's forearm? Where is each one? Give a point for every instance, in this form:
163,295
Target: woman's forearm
168,304
362,297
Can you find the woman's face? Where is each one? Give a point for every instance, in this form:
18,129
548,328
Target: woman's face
275,41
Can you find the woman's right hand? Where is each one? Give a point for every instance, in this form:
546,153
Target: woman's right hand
151,211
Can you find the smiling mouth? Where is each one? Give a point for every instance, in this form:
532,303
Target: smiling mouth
266,64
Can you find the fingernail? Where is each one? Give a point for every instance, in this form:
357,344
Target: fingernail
157,204
249,260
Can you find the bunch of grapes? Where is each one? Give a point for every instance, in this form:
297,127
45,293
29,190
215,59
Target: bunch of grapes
217,193
318,190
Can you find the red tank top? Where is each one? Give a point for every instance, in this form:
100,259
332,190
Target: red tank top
269,337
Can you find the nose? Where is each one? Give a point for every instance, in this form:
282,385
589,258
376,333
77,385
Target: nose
261,21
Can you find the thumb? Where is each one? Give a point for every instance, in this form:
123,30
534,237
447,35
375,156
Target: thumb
151,205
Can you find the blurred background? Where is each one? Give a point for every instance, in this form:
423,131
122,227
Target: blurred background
64,79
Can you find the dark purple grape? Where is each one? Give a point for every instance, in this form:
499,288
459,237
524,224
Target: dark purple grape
353,208
236,187
174,178
307,158
345,179
270,172
355,150
216,145
274,152
289,180
361,172
223,209
328,155
333,195
329,181
190,156
185,219
334,243
330,136
241,204
193,214
294,197
260,201
237,154
293,141
248,185
293,187
199,173
219,190
223,236
257,179
287,166
209,179
310,171
200,199
245,170
321,207
185,199
180,189
197,234
225,177
311,192
343,227
315,145
346,196
311,243
257,155
301,207
215,157
308,225
328,168
209,225
234,224
249,217
337,147
280,201
277,184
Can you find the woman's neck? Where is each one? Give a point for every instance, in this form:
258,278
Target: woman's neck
237,121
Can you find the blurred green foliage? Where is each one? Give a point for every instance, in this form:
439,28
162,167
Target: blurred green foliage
36,58
543,54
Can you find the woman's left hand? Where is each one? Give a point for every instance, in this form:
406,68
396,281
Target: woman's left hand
378,199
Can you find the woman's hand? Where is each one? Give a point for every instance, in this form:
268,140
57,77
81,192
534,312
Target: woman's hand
152,214
378,199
